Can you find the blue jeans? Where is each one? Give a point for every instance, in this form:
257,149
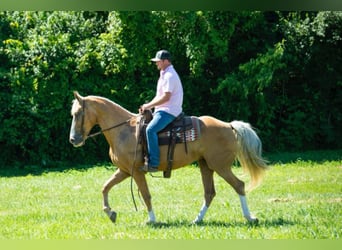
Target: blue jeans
160,120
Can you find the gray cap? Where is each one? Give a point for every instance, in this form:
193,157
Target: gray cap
161,55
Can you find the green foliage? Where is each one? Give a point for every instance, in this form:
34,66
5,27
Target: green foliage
280,71
311,89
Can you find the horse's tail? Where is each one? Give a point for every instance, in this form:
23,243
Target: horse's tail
250,152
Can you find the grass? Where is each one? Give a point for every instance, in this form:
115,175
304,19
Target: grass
299,199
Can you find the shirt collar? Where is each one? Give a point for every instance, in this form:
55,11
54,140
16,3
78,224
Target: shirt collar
162,72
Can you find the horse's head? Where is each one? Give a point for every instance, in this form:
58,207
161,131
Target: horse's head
81,121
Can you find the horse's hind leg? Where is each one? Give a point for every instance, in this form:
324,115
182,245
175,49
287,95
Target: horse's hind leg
239,186
209,189
116,178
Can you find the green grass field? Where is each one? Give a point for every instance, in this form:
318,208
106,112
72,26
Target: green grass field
300,198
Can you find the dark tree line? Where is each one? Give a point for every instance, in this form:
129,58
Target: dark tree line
280,71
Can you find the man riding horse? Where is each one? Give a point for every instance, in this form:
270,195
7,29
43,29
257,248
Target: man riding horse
167,105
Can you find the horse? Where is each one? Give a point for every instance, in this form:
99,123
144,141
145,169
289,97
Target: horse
218,146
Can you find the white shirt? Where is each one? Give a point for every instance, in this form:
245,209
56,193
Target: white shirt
169,81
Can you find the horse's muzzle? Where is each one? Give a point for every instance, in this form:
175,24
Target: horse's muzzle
76,141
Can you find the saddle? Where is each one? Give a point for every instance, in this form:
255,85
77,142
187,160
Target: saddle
182,130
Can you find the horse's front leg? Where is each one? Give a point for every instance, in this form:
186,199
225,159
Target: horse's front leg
141,182
116,178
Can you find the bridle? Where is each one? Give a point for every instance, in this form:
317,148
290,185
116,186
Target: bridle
102,130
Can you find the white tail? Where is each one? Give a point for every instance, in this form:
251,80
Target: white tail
250,152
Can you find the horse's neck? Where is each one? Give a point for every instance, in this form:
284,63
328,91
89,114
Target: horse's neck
121,138
110,113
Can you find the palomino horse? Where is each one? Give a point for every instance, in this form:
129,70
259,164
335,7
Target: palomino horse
215,151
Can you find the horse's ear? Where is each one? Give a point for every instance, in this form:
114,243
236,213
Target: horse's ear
78,97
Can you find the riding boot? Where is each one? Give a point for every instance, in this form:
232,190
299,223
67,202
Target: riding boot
146,167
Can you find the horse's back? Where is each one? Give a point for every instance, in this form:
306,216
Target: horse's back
212,124
217,136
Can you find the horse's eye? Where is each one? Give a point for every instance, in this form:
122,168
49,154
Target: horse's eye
78,114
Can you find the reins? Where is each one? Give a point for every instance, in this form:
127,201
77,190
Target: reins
135,155
102,130
106,129
112,127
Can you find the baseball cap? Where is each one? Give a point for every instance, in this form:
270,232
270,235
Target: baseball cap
160,55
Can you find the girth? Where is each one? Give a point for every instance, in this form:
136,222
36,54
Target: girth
181,130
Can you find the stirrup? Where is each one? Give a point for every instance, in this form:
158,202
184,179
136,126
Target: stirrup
147,168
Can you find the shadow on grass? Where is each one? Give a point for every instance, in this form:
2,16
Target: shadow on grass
21,169
263,223
36,170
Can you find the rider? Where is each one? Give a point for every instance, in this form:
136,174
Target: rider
167,105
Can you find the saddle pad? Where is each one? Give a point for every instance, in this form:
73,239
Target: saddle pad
191,134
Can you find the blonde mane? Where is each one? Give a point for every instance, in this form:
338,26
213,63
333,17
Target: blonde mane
101,100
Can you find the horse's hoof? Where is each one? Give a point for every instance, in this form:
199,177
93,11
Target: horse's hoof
196,222
112,216
151,222
255,221
252,220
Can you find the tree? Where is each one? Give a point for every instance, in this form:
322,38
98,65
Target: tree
280,71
